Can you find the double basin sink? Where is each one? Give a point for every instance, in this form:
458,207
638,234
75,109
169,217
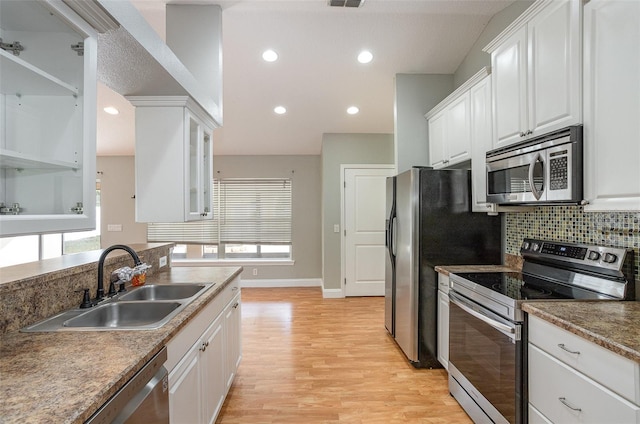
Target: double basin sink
143,308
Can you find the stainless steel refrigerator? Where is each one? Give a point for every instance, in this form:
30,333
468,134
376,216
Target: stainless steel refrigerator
429,222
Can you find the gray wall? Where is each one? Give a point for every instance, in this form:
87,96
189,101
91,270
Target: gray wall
416,94
338,149
117,182
476,58
305,172
117,206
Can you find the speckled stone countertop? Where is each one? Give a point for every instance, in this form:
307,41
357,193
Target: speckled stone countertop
64,377
612,325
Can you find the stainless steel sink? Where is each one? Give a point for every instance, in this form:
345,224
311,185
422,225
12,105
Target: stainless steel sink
126,315
164,292
142,308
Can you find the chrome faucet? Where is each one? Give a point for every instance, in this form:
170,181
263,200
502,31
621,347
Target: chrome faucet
103,256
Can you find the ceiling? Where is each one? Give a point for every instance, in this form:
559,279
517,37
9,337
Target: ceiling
317,76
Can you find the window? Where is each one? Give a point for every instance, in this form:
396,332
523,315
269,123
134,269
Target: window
252,220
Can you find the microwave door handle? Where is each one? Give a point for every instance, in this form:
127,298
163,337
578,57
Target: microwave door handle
537,194
493,323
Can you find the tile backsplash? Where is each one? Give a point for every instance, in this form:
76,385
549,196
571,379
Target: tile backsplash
572,224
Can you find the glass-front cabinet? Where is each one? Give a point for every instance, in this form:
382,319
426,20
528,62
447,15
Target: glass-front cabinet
47,119
174,164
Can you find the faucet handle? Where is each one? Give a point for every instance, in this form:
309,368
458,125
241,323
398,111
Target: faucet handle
86,299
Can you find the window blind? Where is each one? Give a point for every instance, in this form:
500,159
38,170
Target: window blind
245,211
255,211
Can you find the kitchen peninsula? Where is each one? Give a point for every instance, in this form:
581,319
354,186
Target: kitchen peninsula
65,376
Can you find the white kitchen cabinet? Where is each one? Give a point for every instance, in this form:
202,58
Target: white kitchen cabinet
47,119
536,72
233,344
450,134
572,380
203,358
443,320
450,137
480,99
437,140
173,161
612,105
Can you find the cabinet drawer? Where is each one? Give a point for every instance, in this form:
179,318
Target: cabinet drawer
231,290
536,417
565,396
619,374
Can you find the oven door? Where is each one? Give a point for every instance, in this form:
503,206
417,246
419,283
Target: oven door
485,359
517,179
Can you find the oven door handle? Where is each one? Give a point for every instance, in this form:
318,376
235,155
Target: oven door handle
493,323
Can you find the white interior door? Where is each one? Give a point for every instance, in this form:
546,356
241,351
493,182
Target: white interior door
364,218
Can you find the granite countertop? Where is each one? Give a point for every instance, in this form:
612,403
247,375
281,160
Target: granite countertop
64,377
612,325
452,269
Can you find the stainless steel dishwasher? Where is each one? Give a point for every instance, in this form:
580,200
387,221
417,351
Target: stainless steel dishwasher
143,399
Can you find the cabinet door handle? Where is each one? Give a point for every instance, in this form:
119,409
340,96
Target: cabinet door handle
563,347
529,132
204,346
234,288
235,306
563,400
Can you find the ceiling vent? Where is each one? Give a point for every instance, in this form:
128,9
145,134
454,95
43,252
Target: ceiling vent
345,3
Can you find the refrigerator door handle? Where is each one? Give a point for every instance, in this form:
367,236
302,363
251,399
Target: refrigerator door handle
393,237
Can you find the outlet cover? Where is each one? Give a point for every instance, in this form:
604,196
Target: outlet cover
114,227
163,261
255,271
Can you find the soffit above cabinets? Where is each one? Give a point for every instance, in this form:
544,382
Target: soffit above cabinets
134,61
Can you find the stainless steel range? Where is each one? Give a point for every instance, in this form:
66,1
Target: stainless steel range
487,335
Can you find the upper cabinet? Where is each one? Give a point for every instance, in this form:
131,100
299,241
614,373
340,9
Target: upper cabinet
47,119
612,105
450,126
536,68
174,167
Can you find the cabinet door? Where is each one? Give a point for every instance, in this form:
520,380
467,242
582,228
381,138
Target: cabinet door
185,402
198,169
47,120
480,99
554,68
458,130
437,148
213,370
612,105
443,329
509,80
233,317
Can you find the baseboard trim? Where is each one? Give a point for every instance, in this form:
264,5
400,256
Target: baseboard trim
291,282
332,293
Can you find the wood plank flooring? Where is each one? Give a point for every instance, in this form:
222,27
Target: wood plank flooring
312,360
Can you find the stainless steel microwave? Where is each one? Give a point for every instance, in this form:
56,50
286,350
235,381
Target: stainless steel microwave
544,170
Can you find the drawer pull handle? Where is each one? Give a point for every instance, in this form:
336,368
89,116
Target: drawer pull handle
563,400
563,347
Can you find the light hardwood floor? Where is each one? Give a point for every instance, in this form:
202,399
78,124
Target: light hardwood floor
312,360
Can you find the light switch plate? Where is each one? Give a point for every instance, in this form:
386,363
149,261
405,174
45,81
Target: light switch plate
336,228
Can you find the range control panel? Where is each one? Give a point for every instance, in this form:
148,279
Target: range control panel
596,256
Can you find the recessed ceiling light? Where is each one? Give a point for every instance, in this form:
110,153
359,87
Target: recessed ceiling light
353,110
111,110
365,56
270,55
280,110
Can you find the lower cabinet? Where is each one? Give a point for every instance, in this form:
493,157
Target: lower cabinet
572,380
232,322
443,320
203,359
